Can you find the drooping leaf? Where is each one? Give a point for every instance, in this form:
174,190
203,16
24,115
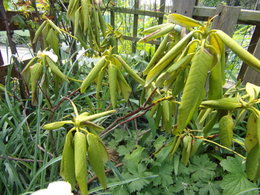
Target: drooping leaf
194,87
253,163
35,72
252,90
96,155
183,20
86,117
56,125
55,70
165,60
80,150
239,50
251,133
92,74
67,170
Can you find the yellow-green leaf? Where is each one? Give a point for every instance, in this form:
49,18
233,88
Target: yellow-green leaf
226,125
215,82
56,125
157,55
112,77
129,70
124,87
253,162
183,20
35,72
239,50
95,152
252,90
67,170
86,117
194,87
55,70
92,74
158,33
251,132
53,40
165,60
223,103
154,28
38,32
80,150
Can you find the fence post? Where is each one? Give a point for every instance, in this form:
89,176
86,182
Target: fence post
162,9
1,59
243,73
227,19
183,7
251,75
112,18
135,26
251,48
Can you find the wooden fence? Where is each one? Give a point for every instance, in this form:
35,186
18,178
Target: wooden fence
227,19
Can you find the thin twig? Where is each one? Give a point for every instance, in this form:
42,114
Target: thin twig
19,159
226,148
56,107
126,118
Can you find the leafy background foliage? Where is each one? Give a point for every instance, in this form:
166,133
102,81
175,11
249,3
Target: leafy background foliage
139,147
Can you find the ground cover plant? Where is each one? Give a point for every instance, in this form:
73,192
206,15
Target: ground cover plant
109,123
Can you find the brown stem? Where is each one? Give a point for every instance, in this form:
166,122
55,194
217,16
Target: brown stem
115,124
55,108
19,159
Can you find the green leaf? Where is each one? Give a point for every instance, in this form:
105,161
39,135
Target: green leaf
56,125
236,181
233,165
183,20
35,72
252,90
158,33
80,151
67,170
86,117
203,168
55,70
239,50
96,156
92,74
53,40
165,175
194,87
167,58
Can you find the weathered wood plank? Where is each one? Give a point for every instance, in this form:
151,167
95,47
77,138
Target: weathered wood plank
221,22
183,8
112,18
245,17
251,17
251,75
1,59
251,49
